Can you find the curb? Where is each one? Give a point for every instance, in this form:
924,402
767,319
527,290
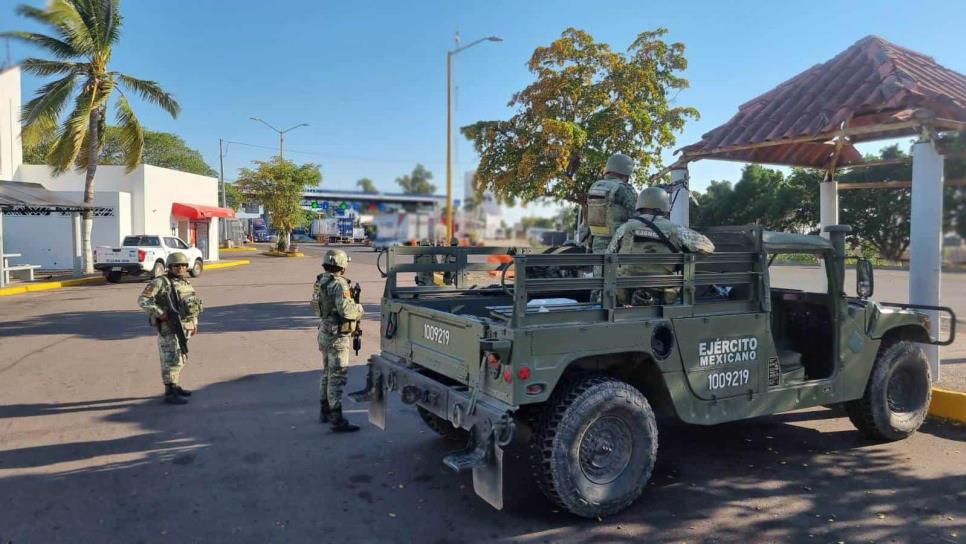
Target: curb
948,404
48,285
240,249
287,255
227,264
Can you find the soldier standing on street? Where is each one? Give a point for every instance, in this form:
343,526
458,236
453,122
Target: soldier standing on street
650,231
173,308
340,314
610,201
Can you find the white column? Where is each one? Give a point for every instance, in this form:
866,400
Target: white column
681,212
75,221
828,198
3,274
925,245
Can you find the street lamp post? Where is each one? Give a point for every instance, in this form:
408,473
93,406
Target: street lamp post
281,134
449,128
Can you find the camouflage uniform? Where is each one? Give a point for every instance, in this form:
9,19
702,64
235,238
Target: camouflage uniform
620,199
332,302
172,359
425,278
636,237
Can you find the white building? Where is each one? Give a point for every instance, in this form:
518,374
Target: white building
147,200
487,215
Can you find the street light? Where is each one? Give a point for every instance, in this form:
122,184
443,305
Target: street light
281,134
449,128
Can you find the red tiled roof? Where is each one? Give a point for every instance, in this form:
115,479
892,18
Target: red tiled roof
872,83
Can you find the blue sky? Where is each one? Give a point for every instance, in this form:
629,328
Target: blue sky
369,77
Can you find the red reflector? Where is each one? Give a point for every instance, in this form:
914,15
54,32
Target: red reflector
535,389
523,373
507,376
492,359
141,255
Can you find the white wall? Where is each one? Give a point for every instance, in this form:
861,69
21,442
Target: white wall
164,187
11,150
47,239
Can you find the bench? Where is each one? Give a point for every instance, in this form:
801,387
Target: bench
28,268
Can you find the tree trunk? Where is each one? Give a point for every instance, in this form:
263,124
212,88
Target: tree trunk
88,216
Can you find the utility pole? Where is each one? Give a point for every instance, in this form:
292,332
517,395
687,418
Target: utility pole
221,168
449,128
281,134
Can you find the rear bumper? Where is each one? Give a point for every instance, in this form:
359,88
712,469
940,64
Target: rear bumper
127,268
490,422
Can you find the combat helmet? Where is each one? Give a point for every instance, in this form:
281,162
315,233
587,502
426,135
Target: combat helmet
654,198
337,258
177,258
620,163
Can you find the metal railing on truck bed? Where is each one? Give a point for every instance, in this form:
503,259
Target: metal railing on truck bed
588,284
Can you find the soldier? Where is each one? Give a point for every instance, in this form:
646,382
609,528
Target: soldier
332,302
424,278
170,301
449,278
650,231
610,201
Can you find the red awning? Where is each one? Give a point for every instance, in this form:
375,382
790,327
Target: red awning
198,211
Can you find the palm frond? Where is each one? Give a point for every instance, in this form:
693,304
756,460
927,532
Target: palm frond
58,48
72,133
132,134
151,92
107,14
49,101
71,22
44,67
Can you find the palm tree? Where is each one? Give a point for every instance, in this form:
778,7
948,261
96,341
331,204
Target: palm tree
83,35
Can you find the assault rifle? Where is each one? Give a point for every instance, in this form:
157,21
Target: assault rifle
356,293
171,303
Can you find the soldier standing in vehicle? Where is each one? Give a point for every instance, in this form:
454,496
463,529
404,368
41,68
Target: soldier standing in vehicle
650,231
610,201
424,278
340,314
173,307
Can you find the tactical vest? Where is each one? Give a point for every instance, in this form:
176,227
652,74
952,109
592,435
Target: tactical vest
189,304
604,214
328,311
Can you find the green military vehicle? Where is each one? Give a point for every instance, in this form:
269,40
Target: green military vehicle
588,376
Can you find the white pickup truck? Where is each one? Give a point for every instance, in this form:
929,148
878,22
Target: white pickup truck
144,253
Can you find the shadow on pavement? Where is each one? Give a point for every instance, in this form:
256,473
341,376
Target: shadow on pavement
120,325
246,460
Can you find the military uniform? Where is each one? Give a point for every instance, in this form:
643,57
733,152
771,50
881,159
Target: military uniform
647,233
332,302
610,201
159,295
424,278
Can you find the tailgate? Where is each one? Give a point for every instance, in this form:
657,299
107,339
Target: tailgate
442,342
117,255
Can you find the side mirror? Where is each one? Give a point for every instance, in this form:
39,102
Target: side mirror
864,279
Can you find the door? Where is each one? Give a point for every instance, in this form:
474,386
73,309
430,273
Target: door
199,232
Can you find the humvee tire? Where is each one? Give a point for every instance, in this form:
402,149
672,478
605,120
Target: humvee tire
441,426
897,396
113,277
594,446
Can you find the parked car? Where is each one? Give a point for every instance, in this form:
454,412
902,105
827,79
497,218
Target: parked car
144,254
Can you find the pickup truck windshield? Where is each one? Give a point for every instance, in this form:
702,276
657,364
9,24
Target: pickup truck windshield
149,241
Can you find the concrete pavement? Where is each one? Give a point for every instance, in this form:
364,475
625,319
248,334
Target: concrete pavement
89,454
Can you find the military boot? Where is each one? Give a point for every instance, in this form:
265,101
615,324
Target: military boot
364,394
325,414
171,395
341,424
183,392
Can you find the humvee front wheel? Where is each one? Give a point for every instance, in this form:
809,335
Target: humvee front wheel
440,426
594,446
897,396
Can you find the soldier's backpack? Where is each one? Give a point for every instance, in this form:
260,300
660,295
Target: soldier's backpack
604,214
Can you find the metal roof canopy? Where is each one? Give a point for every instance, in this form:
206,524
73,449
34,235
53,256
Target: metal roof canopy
32,198
873,90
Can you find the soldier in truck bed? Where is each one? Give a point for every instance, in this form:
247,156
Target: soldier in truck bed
650,231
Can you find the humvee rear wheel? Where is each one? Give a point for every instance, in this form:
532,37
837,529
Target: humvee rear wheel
440,426
897,396
594,446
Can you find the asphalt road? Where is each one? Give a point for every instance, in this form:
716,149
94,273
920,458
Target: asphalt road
88,453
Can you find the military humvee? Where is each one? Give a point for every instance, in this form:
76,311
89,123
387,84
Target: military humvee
557,353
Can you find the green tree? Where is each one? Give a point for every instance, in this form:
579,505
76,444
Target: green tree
84,34
762,196
586,103
417,182
234,198
367,185
162,149
278,185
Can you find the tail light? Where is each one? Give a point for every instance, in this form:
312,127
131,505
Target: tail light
142,255
523,373
492,359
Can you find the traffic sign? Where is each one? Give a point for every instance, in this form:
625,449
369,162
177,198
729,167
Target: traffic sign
325,204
